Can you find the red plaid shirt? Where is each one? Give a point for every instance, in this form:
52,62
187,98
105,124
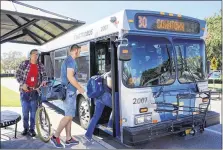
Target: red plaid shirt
23,70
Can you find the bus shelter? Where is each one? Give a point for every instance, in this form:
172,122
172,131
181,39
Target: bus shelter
25,24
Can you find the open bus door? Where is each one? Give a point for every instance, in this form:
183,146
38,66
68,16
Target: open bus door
99,61
119,51
104,50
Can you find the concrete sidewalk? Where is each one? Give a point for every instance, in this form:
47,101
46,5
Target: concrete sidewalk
24,142
10,83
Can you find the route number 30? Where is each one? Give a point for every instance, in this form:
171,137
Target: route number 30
142,22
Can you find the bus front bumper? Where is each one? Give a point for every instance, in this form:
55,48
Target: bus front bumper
142,134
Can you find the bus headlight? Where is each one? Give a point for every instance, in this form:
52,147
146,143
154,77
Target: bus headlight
139,119
148,118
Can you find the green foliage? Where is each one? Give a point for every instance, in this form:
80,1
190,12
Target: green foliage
213,39
11,60
211,81
2,71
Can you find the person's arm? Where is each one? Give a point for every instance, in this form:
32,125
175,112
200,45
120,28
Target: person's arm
19,73
19,76
109,82
73,81
108,78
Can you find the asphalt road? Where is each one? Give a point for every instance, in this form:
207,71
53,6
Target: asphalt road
211,139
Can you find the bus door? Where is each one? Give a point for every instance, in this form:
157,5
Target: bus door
103,58
100,63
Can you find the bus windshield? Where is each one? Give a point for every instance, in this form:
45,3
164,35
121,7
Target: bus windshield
190,60
151,64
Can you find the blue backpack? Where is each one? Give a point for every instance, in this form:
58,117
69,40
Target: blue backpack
95,87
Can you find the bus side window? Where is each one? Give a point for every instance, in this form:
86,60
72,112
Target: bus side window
83,68
57,67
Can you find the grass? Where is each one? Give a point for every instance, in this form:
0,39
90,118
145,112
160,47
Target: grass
9,98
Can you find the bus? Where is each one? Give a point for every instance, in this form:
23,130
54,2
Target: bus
159,73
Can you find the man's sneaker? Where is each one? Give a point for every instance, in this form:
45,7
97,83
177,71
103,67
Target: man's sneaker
32,133
89,139
25,132
72,141
56,142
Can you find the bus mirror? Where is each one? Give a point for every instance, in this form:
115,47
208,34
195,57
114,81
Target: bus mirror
208,66
122,41
125,52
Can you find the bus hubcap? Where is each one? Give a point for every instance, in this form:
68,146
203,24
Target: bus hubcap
84,113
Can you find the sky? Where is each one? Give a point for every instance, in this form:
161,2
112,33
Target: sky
92,11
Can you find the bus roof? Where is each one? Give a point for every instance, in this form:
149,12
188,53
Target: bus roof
123,20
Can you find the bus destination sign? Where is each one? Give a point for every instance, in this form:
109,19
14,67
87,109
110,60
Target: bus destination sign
160,23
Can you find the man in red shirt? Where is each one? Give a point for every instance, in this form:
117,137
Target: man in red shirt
30,74
31,80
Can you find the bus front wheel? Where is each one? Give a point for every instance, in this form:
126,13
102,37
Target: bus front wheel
84,112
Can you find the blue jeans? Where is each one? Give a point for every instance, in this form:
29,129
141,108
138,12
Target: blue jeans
29,106
100,103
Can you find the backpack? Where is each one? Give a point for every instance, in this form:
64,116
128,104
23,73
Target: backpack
95,87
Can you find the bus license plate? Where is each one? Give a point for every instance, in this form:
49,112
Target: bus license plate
140,120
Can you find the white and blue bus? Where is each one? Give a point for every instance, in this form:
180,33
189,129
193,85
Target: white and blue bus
159,73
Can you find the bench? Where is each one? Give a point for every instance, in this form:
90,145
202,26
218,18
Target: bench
9,118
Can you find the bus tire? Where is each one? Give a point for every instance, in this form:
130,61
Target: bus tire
84,112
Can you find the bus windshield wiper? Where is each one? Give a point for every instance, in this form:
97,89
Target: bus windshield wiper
186,67
170,67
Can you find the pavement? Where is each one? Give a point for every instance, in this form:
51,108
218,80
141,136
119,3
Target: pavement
9,142
210,139
26,142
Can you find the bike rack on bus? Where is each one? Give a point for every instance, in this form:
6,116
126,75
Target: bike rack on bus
197,115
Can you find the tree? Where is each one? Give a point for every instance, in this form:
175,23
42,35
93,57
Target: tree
11,60
2,71
213,39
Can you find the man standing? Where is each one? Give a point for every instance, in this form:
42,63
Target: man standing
69,78
30,75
